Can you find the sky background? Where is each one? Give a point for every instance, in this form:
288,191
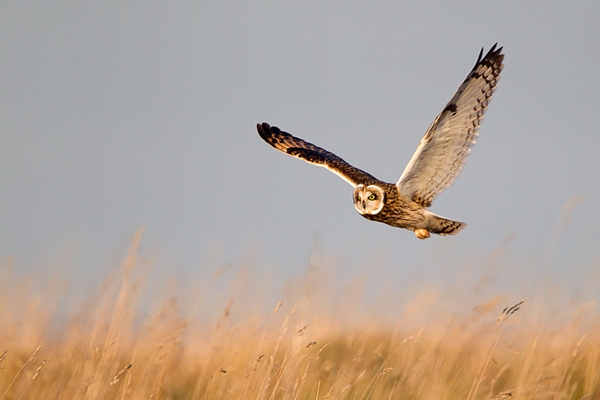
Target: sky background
116,115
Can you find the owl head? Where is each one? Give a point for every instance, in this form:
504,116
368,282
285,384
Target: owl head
368,199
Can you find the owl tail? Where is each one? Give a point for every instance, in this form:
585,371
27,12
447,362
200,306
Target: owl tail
440,226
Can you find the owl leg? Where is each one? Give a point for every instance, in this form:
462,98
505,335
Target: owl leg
422,233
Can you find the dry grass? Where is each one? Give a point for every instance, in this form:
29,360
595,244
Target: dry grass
113,348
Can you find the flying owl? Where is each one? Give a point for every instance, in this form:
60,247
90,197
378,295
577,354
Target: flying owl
434,166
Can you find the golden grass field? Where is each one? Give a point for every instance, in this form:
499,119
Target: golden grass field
109,347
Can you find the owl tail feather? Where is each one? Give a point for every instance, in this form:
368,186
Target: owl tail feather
440,226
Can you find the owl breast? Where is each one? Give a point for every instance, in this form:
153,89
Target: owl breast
383,203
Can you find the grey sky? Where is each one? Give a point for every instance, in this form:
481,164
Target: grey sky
120,114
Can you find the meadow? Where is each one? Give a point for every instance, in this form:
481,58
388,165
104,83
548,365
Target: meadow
121,342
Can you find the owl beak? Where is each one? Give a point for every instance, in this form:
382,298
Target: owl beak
364,204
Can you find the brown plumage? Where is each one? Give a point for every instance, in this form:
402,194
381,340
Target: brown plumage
401,213
435,165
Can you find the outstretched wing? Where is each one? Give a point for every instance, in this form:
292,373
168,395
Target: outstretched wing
443,150
308,152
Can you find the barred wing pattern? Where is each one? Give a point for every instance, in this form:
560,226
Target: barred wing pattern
310,153
443,150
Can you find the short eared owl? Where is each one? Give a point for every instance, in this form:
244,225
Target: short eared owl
435,165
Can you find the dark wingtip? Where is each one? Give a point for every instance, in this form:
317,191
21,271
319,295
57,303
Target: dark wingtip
264,130
268,133
263,127
494,55
495,52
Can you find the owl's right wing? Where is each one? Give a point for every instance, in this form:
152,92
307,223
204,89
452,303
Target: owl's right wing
310,153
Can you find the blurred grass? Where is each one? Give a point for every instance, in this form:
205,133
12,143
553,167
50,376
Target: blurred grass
306,346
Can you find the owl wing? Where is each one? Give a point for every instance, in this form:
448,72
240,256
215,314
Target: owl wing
310,153
443,150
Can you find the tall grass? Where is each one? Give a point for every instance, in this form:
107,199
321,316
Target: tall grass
113,347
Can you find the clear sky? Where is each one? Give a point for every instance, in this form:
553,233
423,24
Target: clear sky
115,115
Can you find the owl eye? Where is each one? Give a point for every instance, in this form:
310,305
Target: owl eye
359,198
372,197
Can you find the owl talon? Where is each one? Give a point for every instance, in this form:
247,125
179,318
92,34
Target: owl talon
422,233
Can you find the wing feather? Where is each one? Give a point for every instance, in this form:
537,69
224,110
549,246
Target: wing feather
310,153
444,148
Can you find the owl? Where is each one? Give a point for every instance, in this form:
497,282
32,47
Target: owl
434,166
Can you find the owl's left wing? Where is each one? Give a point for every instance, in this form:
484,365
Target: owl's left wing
443,150
310,153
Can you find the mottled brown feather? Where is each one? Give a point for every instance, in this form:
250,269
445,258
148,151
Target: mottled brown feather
443,151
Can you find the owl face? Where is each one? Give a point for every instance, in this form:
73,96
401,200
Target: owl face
368,199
